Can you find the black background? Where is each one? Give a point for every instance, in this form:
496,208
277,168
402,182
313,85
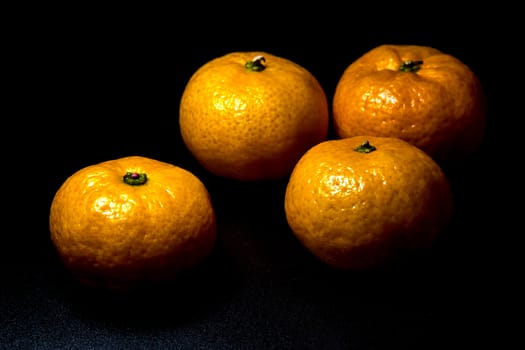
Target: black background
97,85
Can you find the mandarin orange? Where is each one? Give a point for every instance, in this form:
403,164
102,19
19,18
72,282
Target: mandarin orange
130,221
361,202
250,116
417,93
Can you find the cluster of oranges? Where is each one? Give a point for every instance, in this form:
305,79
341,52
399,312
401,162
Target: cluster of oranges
355,201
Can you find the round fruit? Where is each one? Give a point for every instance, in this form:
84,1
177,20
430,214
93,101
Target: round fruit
130,221
416,93
360,202
251,115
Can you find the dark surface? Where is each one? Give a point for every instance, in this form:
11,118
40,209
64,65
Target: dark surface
100,90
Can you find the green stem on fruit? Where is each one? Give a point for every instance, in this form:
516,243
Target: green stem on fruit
410,66
256,64
365,147
135,179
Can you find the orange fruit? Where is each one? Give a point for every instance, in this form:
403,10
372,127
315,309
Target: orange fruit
251,115
417,93
362,202
130,221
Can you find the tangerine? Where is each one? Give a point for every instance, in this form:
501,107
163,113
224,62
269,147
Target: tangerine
359,202
250,116
129,221
417,93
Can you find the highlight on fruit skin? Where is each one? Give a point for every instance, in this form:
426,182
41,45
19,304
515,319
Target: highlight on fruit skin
130,222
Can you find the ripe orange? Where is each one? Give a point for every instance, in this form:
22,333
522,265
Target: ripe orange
358,203
251,115
129,221
416,93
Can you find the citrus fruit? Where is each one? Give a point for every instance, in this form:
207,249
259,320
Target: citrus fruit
361,202
130,221
417,93
249,116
